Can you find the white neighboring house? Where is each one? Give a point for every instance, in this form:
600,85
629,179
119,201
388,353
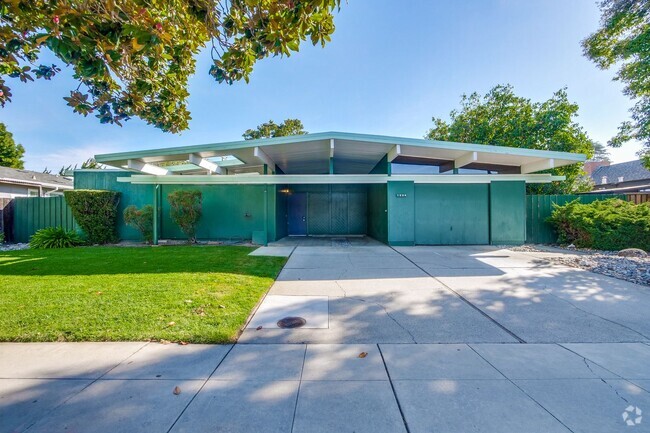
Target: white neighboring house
25,183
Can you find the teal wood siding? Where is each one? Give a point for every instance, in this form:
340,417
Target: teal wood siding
335,209
451,214
539,208
507,213
35,213
281,228
401,217
378,212
137,195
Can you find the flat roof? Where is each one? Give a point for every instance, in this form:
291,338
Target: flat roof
350,153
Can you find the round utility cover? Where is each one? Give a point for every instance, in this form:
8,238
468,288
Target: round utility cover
291,322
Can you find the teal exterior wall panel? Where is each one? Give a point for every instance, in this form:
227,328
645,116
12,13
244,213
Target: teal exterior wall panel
452,214
507,213
280,220
137,195
401,212
378,212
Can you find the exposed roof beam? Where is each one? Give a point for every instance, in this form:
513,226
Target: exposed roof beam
331,148
204,163
532,167
263,157
466,159
136,164
394,152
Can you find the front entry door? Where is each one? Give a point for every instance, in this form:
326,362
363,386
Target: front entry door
297,214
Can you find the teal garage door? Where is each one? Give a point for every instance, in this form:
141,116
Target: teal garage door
451,214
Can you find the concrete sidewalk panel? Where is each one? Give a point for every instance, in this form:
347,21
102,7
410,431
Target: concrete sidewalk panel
628,360
343,362
262,362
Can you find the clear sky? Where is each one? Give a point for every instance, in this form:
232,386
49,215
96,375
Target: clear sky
390,67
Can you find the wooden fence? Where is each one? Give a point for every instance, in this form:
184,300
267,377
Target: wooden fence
638,197
6,218
34,213
539,208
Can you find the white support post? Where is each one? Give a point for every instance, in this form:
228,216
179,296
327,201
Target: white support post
141,166
466,159
331,148
204,163
264,158
532,167
394,152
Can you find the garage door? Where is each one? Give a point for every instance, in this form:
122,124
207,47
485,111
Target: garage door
337,213
454,214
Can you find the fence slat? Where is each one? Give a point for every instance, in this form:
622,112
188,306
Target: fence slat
35,213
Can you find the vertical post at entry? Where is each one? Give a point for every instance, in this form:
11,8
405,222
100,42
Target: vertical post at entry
156,212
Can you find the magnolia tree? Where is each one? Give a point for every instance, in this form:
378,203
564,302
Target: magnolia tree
134,57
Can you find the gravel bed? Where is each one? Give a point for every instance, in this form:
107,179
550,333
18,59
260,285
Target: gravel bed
632,269
13,247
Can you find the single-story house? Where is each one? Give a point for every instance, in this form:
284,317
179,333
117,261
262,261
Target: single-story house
26,183
629,176
401,191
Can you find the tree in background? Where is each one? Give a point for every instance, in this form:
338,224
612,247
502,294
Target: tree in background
600,152
502,118
88,164
134,57
271,129
623,39
11,154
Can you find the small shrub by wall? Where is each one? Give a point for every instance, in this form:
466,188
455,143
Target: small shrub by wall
140,219
55,237
612,224
96,213
186,210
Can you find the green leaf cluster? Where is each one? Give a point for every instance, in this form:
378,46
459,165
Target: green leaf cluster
612,224
271,129
623,40
11,153
134,57
54,237
140,219
186,210
501,118
96,213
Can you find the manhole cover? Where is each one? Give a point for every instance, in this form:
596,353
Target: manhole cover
291,322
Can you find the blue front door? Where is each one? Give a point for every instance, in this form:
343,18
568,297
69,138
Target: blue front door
297,214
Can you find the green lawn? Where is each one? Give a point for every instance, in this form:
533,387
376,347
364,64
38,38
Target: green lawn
195,294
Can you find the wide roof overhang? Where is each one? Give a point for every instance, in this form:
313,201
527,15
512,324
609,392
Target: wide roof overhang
347,153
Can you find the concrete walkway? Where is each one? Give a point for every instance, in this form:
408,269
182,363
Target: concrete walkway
530,347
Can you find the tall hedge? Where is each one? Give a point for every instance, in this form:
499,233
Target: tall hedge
611,224
96,213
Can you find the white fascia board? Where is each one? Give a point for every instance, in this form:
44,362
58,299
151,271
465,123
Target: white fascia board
466,159
324,179
532,167
394,152
134,164
204,163
263,157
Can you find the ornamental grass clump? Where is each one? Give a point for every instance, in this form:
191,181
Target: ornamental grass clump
140,219
96,213
54,237
186,210
611,224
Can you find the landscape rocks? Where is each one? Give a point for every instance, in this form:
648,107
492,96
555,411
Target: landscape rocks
632,252
635,269
13,247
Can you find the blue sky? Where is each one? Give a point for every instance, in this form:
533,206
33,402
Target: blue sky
390,67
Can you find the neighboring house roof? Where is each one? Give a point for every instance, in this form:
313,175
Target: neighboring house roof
348,153
617,173
33,178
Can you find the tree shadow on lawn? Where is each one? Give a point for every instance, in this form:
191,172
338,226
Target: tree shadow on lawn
120,260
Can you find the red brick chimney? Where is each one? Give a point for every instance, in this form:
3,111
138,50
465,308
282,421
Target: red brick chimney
591,166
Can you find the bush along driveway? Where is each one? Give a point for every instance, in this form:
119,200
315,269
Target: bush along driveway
184,293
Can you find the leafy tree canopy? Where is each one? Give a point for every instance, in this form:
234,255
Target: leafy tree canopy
11,154
134,57
600,152
271,129
502,118
90,163
623,39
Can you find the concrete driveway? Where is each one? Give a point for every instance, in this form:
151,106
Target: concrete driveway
530,347
364,292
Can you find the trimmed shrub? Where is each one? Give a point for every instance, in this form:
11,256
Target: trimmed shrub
55,237
140,219
96,213
611,224
186,210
